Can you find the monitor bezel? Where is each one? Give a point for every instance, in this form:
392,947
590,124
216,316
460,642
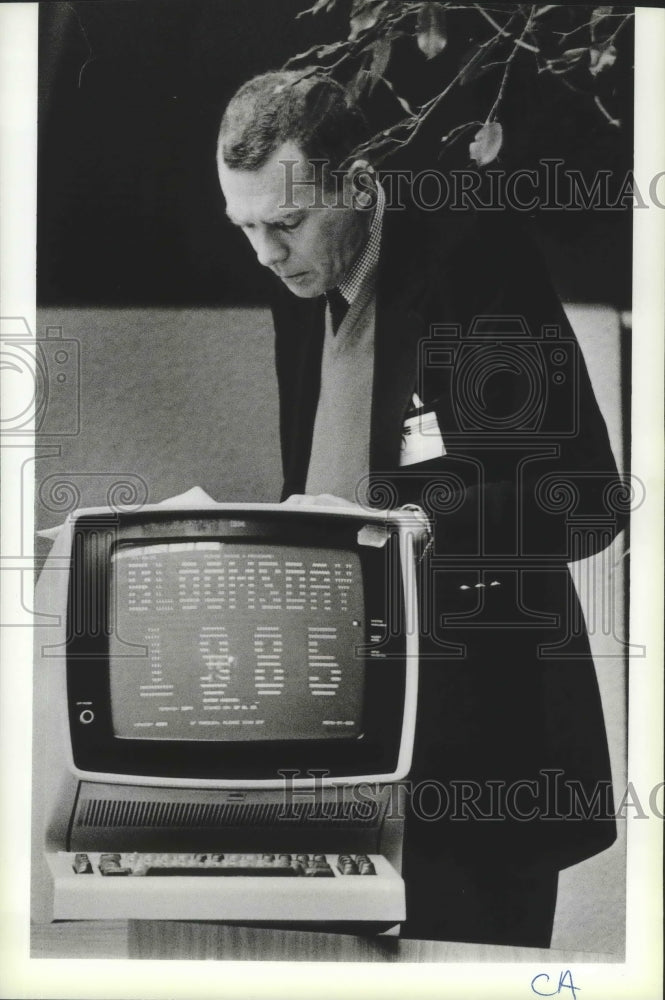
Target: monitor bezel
97,751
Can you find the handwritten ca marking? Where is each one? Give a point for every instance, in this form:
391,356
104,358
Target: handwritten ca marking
565,983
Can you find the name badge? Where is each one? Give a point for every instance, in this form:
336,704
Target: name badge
421,439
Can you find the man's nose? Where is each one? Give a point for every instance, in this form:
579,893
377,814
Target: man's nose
270,248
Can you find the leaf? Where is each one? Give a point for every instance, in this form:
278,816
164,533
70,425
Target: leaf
431,33
473,61
380,59
318,7
572,55
358,84
364,15
457,131
317,51
327,50
486,144
404,104
598,14
566,60
600,58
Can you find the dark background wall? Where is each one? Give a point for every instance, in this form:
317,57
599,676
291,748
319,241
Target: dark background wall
131,93
130,101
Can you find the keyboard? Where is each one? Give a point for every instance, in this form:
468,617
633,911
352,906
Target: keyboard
257,865
225,886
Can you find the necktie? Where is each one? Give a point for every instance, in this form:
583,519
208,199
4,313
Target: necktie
338,307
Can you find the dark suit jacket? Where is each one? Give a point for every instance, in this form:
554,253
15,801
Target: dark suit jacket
466,315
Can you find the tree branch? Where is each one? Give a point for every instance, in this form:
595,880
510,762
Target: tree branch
601,107
502,31
508,64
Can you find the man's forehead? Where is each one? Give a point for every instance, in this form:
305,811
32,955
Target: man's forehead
286,181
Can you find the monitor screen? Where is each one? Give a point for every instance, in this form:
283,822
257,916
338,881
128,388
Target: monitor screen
235,644
235,640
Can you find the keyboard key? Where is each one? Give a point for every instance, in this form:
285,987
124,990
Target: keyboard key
319,872
111,866
82,865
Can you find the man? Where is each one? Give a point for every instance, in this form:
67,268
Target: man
425,359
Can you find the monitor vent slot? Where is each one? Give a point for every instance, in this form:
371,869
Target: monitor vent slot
120,813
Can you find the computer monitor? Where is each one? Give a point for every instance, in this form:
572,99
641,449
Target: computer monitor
194,658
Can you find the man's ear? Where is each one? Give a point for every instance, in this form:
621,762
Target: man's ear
361,178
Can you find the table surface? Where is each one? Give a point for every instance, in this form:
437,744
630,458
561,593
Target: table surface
172,939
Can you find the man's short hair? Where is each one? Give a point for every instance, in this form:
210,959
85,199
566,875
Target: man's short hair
310,110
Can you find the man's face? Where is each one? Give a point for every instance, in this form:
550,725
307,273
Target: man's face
309,242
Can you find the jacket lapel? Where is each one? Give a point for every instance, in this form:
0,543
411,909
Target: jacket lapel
299,347
400,326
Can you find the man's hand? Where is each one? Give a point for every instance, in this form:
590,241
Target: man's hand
318,500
